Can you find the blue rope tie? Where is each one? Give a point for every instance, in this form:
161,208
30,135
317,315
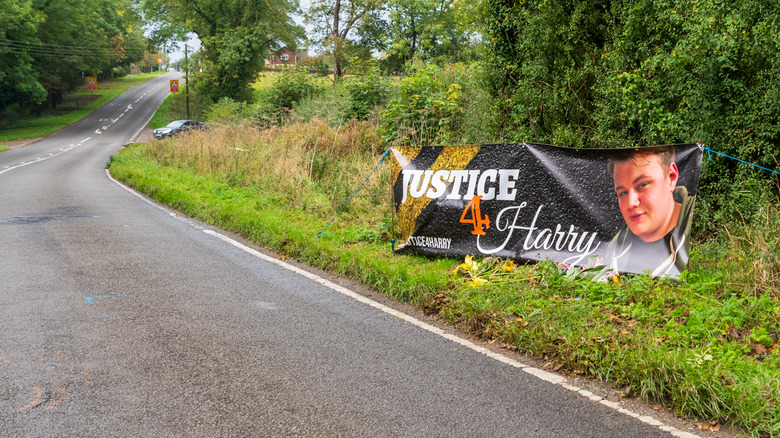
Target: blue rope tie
741,161
322,233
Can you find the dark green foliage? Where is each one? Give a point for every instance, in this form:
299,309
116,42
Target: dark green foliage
292,86
18,78
601,73
47,47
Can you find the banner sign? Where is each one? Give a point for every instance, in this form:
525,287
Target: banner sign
174,85
91,83
629,210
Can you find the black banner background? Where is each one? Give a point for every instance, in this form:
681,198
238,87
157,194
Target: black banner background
566,191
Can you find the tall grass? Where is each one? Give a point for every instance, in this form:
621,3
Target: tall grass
755,250
293,161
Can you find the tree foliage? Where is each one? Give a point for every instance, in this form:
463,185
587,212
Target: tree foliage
603,73
237,36
430,30
18,79
339,24
46,47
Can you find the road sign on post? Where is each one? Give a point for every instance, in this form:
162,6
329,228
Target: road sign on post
174,85
91,83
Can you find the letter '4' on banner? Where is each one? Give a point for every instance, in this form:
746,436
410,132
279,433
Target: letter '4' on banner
628,210
471,215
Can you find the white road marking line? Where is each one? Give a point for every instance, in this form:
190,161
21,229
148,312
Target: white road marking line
536,372
38,160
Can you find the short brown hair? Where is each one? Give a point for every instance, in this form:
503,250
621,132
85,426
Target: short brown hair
665,154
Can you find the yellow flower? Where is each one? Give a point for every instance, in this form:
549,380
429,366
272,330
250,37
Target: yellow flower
476,281
473,265
508,266
616,280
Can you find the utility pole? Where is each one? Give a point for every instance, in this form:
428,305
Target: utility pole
186,81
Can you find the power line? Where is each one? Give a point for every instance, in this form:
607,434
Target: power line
22,47
42,52
42,45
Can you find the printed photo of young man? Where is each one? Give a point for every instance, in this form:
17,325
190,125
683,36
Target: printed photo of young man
657,213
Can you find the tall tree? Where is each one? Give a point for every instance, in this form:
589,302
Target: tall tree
432,30
75,39
18,39
338,22
237,36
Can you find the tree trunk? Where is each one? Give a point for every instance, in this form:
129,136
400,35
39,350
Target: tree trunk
337,73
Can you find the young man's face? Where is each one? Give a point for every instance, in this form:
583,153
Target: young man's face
644,189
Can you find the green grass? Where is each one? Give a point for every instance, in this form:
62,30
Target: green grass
73,108
706,347
162,116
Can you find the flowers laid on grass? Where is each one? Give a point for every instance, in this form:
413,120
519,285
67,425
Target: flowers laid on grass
490,269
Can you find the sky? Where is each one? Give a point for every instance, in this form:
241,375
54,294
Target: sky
193,45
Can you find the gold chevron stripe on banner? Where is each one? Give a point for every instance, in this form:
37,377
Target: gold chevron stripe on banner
450,158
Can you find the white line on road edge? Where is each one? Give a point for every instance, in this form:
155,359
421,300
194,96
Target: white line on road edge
135,136
536,372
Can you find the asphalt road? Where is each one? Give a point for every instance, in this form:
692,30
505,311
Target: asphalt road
120,318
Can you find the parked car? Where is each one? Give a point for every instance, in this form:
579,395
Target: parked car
177,127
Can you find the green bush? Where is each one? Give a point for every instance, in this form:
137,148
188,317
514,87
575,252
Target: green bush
228,111
275,103
424,110
290,87
365,91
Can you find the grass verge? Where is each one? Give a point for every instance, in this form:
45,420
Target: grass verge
706,347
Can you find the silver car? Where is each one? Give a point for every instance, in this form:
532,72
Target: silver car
177,127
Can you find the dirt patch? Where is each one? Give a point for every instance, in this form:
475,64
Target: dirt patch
145,136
